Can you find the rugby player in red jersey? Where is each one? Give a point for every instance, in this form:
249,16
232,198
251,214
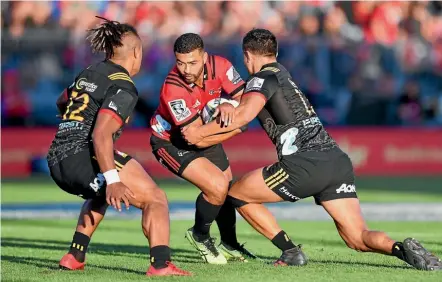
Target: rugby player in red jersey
196,79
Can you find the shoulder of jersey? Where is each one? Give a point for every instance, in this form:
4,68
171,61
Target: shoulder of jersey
269,70
122,79
215,65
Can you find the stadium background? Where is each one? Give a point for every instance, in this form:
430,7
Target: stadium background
372,70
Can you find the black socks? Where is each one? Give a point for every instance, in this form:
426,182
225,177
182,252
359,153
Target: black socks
159,255
204,216
398,250
79,246
282,241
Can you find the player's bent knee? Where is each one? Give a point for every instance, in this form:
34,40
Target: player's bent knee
157,196
217,195
237,203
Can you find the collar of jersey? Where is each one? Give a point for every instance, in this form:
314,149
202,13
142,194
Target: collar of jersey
117,66
274,64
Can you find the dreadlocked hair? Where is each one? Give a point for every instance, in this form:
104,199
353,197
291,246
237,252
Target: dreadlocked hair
108,35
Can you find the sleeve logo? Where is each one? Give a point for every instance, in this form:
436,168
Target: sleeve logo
179,109
254,84
233,75
160,125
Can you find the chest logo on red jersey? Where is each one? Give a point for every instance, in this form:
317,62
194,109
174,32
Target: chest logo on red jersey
215,91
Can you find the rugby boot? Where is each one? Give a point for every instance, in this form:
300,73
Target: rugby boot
292,257
207,249
170,270
68,262
418,257
236,252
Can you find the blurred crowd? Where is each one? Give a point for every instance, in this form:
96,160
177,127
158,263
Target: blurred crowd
360,63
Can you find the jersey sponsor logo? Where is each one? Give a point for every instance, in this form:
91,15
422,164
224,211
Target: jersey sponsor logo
233,75
70,125
346,188
98,182
286,192
89,86
160,125
215,91
179,109
254,84
311,122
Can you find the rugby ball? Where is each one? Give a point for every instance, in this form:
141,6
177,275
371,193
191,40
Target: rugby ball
210,108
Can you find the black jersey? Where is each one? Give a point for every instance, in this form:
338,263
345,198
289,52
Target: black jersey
287,117
104,86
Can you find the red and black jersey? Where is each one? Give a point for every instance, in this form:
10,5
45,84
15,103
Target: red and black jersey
181,103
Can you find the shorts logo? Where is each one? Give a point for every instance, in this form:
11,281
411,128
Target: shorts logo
97,183
179,109
113,106
288,194
182,153
346,188
82,83
233,75
254,84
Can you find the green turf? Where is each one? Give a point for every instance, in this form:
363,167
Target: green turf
31,251
406,189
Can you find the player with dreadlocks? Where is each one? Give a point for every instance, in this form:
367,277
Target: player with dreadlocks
82,158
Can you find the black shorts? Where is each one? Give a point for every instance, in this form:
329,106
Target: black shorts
80,174
326,175
176,158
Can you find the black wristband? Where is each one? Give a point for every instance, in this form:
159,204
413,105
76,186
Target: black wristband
244,128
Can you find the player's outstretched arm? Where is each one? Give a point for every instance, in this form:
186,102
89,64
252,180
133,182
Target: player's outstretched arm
251,104
211,140
216,139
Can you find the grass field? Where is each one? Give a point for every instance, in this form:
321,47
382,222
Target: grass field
403,189
31,251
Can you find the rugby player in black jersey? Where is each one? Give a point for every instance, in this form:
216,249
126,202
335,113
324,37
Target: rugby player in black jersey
310,163
82,159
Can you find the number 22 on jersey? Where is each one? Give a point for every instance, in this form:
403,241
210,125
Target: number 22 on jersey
288,139
74,114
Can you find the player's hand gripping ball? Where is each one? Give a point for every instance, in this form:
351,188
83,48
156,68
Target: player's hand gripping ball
213,109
